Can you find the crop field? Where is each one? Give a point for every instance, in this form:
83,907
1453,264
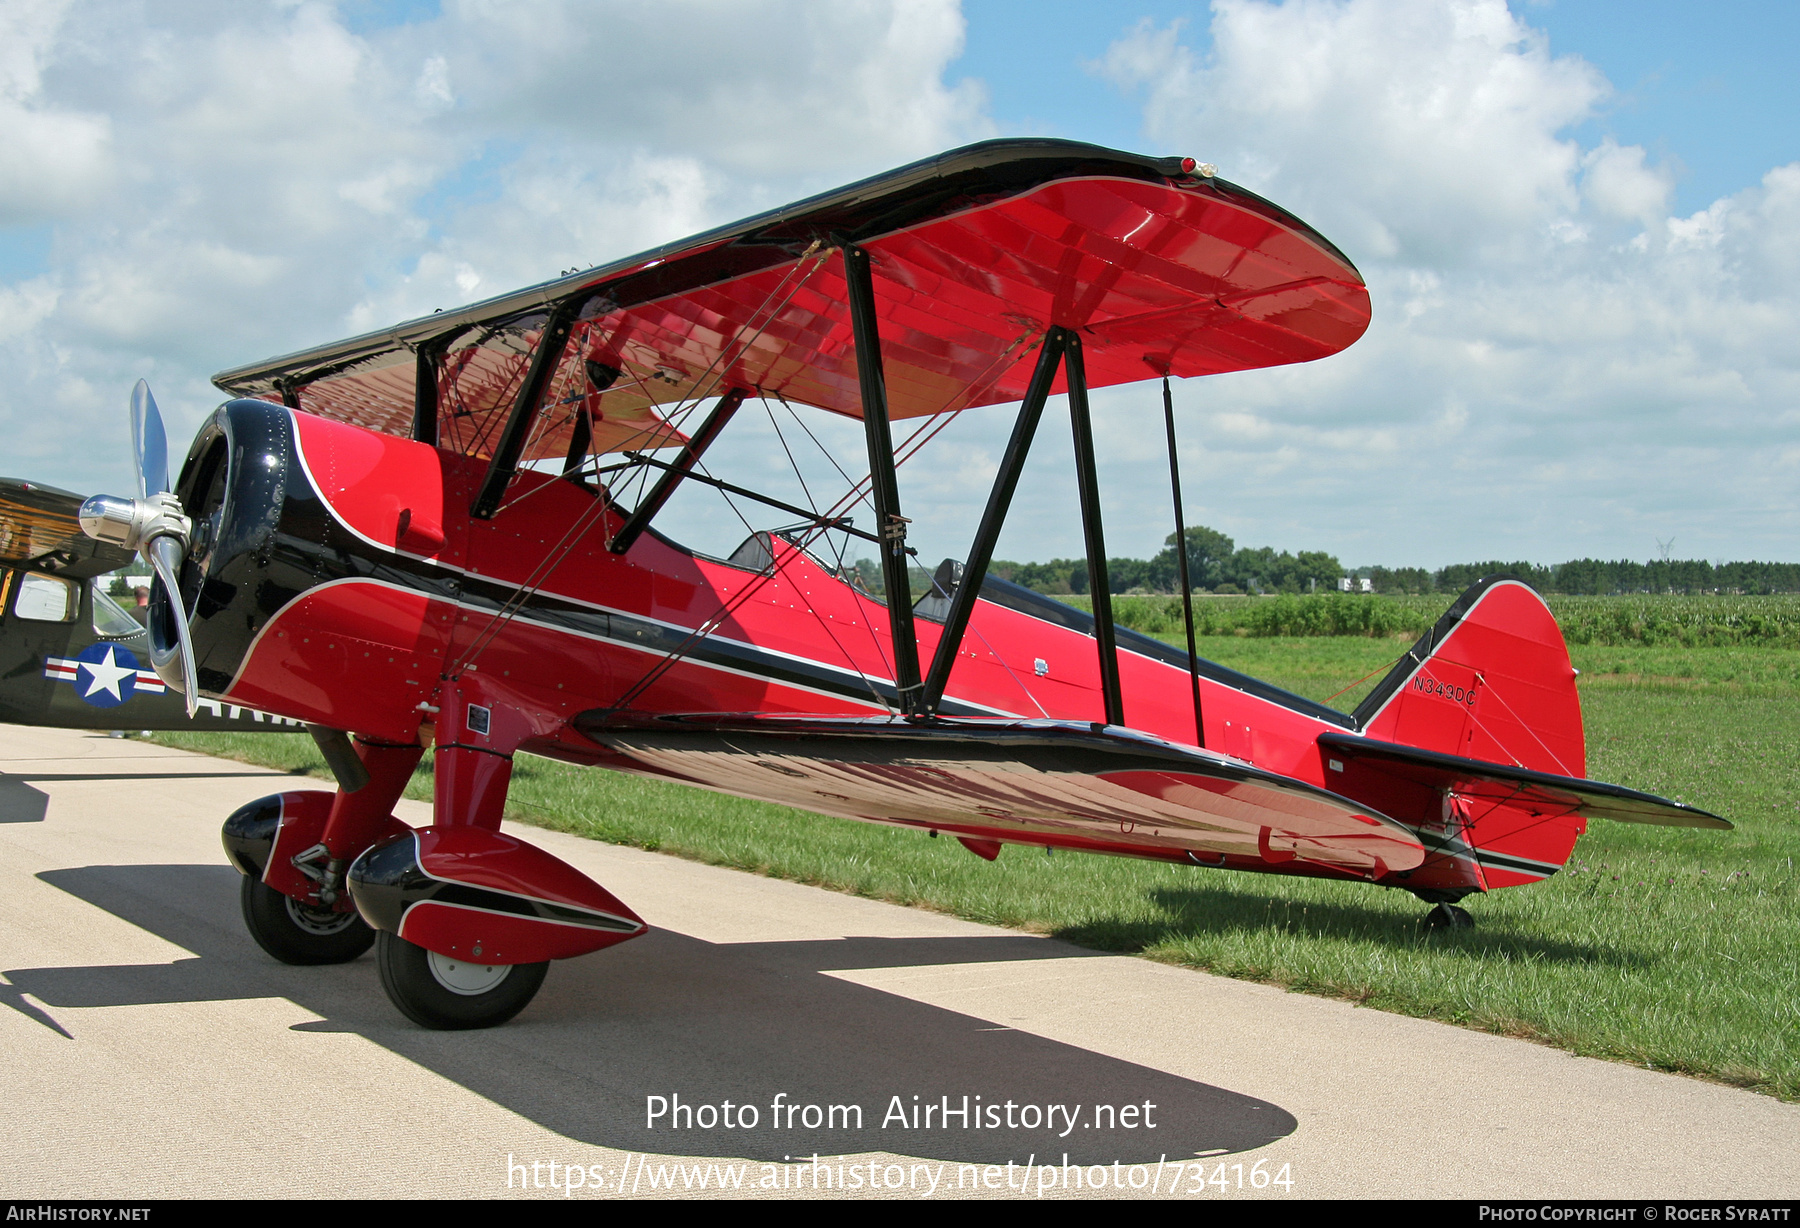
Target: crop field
1674,949
1671,621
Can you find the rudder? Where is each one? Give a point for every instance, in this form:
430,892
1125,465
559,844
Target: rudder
1491,680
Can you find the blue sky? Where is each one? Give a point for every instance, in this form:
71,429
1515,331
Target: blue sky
1580,223
1713,86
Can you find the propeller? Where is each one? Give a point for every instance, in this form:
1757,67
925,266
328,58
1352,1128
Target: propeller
149,443
154,525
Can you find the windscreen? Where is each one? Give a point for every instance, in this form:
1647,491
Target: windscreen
110,619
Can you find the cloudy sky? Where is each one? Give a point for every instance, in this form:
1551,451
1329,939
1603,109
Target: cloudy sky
1580,223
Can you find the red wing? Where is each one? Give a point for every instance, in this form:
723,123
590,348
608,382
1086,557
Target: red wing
975,255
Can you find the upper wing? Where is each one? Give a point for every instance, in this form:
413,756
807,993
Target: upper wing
1026,781
38,528
975,254
1518,786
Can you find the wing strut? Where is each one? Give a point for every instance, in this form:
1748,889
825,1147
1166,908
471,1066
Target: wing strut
425,395
518,424
1064,346
1088,482
1181,563
981,553
678,469
890,524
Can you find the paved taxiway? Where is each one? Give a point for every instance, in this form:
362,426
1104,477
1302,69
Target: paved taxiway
148,1048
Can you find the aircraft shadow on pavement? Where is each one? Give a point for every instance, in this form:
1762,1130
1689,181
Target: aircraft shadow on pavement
24,803
668,1015
20,803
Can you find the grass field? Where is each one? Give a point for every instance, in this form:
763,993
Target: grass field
1668,948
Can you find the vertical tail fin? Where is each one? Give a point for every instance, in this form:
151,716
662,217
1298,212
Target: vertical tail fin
1490,681
1474,740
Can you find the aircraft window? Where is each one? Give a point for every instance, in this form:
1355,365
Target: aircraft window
110,619
45,599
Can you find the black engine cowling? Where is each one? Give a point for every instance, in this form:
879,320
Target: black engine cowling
258,535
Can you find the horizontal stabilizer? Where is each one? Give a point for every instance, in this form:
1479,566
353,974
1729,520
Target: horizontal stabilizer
1517,786
1031,782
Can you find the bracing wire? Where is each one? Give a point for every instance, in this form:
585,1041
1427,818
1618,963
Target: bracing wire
1379,669
789,453
927,430
756,323
731,607
801,422
566,544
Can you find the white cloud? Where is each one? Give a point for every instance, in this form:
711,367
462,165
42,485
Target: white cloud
1556,366
782,88
1404,129
1566,368
56,158
432,89
230,181
24,306
1617,183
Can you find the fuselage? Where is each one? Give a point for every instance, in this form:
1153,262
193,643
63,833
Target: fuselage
357,587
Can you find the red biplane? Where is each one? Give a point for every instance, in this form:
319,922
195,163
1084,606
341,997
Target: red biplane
441,535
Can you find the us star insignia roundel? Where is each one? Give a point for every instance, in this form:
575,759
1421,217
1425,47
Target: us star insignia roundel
105,675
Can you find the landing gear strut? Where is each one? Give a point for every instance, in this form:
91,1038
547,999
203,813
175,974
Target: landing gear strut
469,918
482,913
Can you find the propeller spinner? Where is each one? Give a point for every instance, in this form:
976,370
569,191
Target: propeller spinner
154,525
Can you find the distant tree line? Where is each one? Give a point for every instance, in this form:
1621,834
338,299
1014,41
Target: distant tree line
1601,577
1217,564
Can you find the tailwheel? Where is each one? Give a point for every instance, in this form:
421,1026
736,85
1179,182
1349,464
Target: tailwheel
296,934
436,991
1449,917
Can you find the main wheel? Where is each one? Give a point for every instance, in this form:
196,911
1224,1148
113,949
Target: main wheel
296,934
435,991
1449,917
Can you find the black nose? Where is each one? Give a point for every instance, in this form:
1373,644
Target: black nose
234,486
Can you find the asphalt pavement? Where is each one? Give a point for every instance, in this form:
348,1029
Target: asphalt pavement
150,1049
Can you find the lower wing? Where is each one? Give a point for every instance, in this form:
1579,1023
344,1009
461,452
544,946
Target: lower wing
1035,782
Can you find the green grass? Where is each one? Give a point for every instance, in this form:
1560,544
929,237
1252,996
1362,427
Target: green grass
1668,948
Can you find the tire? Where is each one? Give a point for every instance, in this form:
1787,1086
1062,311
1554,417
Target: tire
1449,917
296,934
450,995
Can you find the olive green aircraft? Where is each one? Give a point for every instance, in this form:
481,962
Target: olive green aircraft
71,656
